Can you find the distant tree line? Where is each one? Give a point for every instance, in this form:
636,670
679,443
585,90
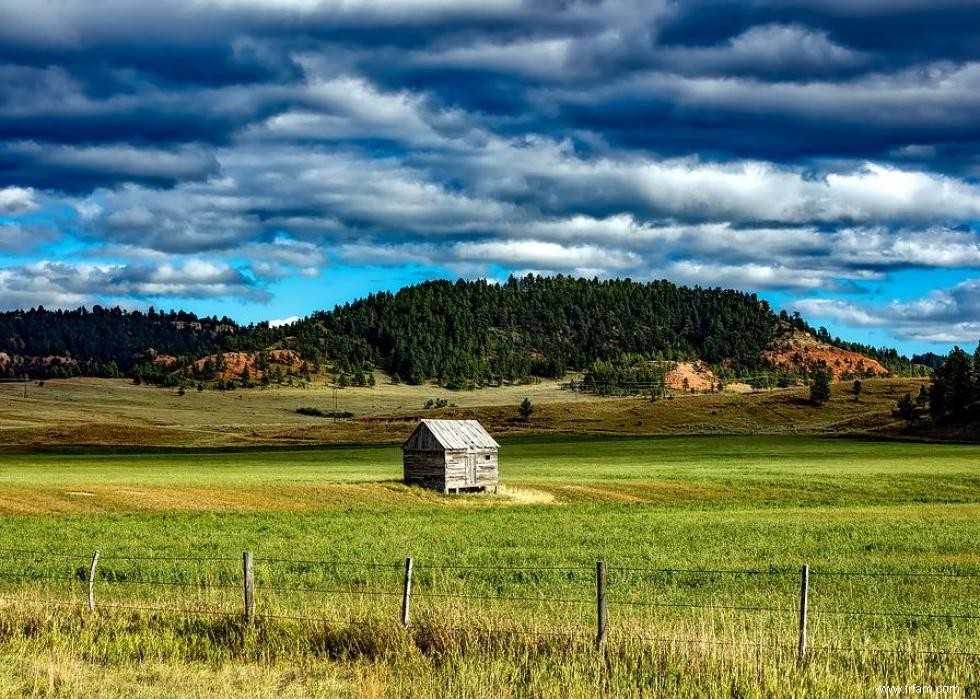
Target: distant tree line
953,397
460,334
105,342
629,374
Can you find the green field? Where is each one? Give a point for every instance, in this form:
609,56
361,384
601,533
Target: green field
495,576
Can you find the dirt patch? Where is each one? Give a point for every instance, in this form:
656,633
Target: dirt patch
738,388
692,377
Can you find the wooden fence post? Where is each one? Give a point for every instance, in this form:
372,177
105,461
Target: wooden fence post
602,617
804,603
407,591
248,580
91,581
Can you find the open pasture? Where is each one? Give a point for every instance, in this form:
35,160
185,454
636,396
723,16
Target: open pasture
113,412
496,577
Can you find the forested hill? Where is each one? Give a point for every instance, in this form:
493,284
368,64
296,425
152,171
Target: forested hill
454,332
544,326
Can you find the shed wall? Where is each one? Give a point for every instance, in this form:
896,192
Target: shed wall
451,469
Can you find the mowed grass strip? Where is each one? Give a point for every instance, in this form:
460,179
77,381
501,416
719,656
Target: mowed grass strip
684,472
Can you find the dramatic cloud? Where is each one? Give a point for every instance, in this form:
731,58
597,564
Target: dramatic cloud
945,315
810,147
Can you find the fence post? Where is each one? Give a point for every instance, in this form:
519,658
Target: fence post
407,591
602,617
804,601
91,581
248,580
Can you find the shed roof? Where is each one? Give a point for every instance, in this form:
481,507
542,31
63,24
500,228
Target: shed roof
458,434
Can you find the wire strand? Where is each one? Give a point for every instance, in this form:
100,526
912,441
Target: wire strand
682,605
705,571
335,591
330,563
889,613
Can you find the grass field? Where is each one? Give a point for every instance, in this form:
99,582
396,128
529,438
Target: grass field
495,576
115,412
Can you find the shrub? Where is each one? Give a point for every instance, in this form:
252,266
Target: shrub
316,412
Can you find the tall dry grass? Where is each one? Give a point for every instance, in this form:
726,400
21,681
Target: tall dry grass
59,652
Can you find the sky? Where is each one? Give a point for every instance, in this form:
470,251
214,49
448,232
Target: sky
263,159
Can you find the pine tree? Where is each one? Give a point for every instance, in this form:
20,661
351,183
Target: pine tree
856,389
953,390
820,386
907,410
922,399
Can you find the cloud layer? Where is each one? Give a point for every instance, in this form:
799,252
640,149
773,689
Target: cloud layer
197,149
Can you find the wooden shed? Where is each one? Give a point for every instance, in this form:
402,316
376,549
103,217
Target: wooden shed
451,456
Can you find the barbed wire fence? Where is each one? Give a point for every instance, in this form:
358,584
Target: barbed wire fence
411,581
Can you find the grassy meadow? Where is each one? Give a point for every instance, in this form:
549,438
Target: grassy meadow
504,586
114,412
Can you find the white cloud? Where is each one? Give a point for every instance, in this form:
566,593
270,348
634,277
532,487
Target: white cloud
544,255
737,191
535,57
339,108
774,49
17,200
760,276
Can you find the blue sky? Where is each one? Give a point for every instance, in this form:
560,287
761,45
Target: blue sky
262,159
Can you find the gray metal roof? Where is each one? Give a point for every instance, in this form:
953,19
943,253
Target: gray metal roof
460,434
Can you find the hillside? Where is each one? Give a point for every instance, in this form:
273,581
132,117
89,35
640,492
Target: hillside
457,334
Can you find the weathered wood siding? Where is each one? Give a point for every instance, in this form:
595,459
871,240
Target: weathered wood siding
425,468
423,440
471,468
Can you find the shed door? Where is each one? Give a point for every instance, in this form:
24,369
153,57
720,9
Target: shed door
471,469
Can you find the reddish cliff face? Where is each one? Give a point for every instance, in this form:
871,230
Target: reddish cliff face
237,362
802,351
